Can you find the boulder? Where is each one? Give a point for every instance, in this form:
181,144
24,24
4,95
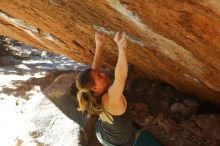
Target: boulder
176,41
50,125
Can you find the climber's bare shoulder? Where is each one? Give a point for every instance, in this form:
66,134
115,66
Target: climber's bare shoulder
114,107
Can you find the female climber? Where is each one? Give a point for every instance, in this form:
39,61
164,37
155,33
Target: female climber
100,96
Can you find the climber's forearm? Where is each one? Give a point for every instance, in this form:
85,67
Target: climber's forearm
98,58
121,68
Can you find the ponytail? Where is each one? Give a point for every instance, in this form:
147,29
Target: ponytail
88,102
87,99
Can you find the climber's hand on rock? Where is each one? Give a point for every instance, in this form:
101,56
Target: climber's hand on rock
99,39
120,40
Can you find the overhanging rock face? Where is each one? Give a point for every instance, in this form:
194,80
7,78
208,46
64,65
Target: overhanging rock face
174,41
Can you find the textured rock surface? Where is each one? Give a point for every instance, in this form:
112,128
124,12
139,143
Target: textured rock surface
176,41
31,110
51,125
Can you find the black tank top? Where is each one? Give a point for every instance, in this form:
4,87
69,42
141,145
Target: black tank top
121,132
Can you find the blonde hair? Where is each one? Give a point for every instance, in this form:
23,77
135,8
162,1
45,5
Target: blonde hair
87,99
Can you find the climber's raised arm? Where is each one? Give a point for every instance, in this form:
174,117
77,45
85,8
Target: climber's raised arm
98,59
116,89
